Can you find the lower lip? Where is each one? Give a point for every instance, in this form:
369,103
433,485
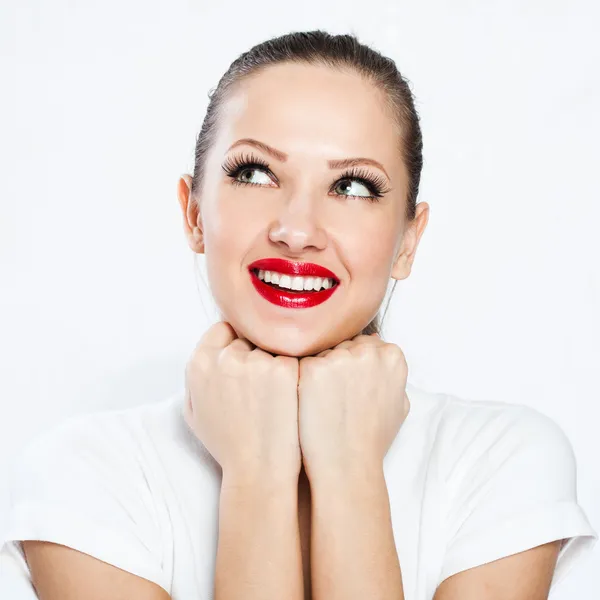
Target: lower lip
290,299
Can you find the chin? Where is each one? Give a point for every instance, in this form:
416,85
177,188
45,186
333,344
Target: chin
286,349
286,341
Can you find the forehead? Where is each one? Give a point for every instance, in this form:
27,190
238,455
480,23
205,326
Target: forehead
311,110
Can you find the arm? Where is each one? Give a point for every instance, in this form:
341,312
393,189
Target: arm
523,576
352,547
62,573
355,555
258,555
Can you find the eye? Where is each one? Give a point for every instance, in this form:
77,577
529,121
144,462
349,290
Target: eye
240,170
252,170
356,178
350,190
245,175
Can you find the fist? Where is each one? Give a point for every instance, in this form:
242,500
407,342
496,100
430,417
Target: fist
242,404
352,402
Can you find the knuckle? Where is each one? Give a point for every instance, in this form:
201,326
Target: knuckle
230,360
286,365
364,350
336,359
259,362
201,360
239,345
393,354
362,337
308,365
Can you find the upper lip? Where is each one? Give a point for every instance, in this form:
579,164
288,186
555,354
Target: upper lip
289,267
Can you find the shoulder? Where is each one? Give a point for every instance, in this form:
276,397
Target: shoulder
86,443
507,479
117,436
464,431
87,483
84,467
479,434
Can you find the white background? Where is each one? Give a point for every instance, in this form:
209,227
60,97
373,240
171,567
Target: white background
101,103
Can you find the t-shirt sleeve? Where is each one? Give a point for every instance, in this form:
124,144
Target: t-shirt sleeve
512,486
79,485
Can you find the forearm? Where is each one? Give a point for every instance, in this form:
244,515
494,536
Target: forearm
258,552
353,553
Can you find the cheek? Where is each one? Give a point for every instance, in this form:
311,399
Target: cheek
223,227
230,232
370,255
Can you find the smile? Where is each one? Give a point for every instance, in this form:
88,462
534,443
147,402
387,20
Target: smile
292,285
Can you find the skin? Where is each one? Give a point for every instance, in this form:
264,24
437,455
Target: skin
299,111
313,114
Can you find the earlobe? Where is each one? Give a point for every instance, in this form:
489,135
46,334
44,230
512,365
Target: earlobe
198,241
400,270
412,236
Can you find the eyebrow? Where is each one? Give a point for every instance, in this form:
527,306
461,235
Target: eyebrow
333,164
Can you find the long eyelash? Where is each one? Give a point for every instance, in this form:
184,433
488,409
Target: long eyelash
374,183
234,166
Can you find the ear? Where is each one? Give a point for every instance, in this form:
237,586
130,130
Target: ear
410,241
192,220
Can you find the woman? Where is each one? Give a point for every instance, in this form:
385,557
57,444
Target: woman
266,477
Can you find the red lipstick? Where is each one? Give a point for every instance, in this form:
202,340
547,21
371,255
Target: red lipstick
289,298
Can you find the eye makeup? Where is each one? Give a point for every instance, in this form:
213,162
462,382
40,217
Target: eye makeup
375,184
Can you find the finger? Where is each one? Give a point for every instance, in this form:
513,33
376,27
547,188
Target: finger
242,344
219,335
256,350
361,339
323,353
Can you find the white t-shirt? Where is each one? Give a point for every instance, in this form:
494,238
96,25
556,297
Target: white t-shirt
469,482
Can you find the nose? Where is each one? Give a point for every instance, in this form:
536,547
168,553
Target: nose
297,227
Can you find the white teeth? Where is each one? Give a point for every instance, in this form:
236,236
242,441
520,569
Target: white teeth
295,282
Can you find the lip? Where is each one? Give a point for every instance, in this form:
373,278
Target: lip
289,299
289,267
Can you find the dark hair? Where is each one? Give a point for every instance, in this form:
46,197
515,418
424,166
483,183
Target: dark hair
340,52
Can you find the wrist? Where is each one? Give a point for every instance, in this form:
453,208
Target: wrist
355,476
259,478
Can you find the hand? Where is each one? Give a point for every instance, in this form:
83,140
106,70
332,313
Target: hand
242,403
352,402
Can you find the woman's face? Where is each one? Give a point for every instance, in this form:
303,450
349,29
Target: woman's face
301,209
